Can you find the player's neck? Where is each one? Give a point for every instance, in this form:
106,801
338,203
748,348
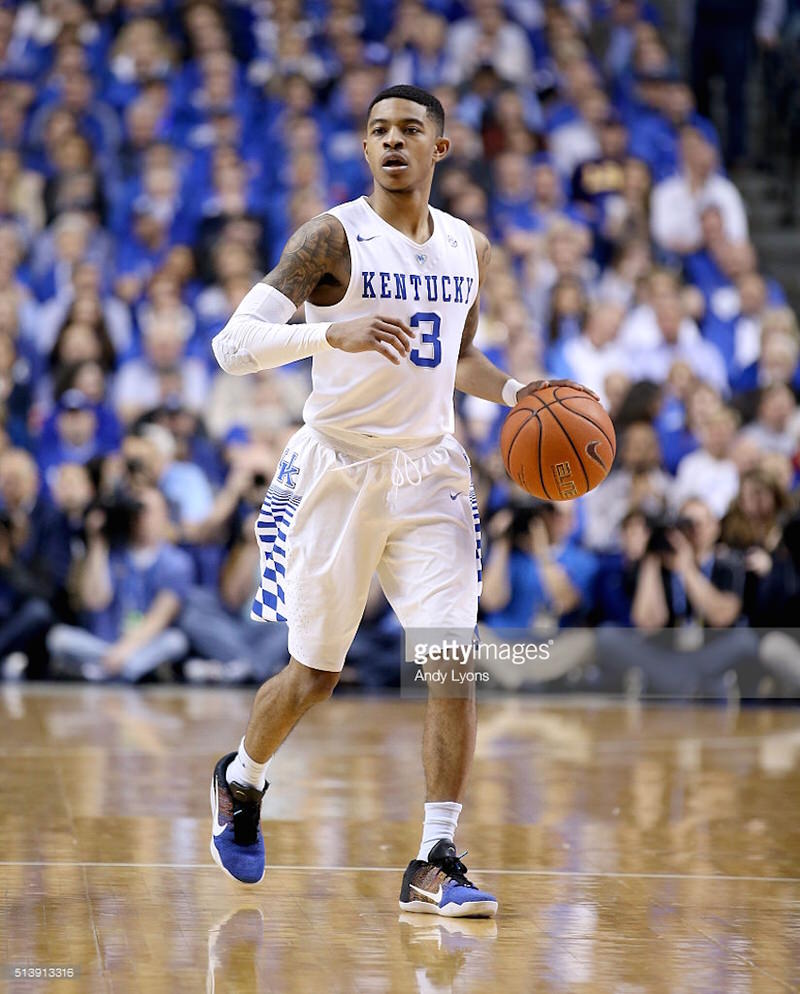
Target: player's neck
407,211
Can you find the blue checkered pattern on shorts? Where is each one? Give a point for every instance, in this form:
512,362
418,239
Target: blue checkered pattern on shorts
272,527
476,518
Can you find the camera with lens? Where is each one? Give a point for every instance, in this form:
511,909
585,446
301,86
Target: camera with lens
523,512
661,526
120,511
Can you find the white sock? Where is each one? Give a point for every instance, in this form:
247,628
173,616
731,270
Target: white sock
245,770
441,819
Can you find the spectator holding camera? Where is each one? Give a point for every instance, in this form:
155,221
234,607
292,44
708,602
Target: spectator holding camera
536,575
684,578
687,586
131,587
149,460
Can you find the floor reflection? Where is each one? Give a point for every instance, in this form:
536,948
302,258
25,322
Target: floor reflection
234,952
439,950
633,849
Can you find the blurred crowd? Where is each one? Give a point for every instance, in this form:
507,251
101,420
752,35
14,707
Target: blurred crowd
155,156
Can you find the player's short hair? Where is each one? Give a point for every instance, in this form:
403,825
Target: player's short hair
415,94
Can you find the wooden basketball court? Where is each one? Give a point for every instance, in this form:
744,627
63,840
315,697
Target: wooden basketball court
632,848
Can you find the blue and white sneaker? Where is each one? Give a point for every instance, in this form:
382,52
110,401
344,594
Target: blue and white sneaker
237,844
439,886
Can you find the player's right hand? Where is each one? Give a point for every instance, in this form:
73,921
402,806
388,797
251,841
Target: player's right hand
389,336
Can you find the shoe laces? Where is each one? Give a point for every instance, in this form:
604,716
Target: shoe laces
246,819
455,869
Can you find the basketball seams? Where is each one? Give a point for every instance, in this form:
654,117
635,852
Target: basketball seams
580,414
531,414
507,460
520,477
550,403
574,449
531,396
594,424
539,458
527,405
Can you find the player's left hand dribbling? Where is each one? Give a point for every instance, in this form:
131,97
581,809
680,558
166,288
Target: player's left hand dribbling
535,385
388,335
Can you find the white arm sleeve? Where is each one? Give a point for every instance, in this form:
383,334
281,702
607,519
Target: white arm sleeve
257,335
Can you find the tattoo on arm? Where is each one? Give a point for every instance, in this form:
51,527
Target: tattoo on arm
484,257
483,247
312,251
470,327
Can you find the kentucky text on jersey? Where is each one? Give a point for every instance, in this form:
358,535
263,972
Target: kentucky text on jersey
412,286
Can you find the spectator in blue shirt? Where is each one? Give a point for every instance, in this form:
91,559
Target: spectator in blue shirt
143,252
720,262
130,596
535,575
512,200
422,61
15,389
777,360
76,437
141,52
655,362
655,134
95,119
88,378
618,571
164,369
151,459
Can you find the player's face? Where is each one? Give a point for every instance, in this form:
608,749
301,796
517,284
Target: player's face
401,145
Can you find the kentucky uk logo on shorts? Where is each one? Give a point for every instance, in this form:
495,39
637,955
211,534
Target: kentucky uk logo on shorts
287,470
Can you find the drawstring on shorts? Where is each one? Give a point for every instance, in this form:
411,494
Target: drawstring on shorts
402,466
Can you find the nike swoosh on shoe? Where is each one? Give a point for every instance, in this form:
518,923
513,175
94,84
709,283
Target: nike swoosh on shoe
436,898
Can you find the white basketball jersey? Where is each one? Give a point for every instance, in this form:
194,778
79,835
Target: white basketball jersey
431,287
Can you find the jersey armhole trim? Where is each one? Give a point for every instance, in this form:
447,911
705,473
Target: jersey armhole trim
475,260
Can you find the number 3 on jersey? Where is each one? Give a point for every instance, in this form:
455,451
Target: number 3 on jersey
427,338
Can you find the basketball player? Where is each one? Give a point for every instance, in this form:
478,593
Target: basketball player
374,480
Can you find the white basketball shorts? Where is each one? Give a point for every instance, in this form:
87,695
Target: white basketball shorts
335,515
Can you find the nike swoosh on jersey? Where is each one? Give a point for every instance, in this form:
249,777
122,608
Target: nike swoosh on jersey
426,893
361,238
454,495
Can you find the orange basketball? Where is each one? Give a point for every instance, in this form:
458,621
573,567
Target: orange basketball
558,443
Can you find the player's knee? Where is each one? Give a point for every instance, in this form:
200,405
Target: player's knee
312,685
